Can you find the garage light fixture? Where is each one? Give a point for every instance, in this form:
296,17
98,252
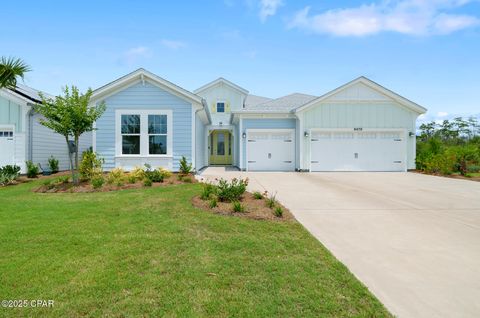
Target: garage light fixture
305,134
244,135
411,134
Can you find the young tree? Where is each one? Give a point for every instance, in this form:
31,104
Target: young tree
427,130
70,116
10,70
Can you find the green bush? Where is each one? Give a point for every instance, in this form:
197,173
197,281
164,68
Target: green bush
53,164
131,179
185,167
32,169
208,190
231,191
63,179
257,195
116,176
9,173
90,165
463,156
97,182
212,203
271,201
473,168
238,207
147,182
153,175
278,212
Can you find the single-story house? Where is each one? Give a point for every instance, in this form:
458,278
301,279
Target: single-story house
360,126
22,137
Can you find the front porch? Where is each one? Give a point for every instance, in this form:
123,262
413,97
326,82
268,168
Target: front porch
221,146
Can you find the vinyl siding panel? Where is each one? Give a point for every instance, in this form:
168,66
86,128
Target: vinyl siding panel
263,123
11,114
200,146
144,97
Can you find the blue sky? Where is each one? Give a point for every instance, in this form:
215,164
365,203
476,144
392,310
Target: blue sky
428,51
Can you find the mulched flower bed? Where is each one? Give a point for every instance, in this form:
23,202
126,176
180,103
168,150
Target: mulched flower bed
254,209
452,176
84,187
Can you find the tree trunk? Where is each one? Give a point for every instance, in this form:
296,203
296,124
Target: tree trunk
76,160
71,160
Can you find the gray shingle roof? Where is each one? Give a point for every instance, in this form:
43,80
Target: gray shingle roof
282,104
253,100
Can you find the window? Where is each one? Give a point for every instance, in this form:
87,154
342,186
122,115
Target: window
143,133
130,134
221,144
157,134
220,107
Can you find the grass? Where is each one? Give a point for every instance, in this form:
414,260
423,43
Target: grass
148,252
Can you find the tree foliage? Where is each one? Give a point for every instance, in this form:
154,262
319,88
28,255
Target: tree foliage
10,70
70,115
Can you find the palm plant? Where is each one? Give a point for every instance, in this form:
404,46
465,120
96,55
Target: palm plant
11,69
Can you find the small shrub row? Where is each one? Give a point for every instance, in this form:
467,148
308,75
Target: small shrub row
8,174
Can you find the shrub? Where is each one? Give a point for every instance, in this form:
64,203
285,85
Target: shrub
147,182
115,176
48,183
138,173
32,169
257,195
271,201
212,203
208,190
63,179
185,167
90,166
166,174
231,191
53,164
278,212
473,169
97,182
463,156
238,207
187,179
131,179
9,173
153,175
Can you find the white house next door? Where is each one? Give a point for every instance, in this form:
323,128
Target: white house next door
7,147
272,150
358,150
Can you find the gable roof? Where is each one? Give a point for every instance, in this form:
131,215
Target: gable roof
252,100
25,93
371,84
221,80
142,74
283,104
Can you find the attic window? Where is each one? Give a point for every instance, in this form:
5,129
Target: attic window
220,107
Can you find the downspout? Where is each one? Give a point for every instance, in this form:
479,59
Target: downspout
30,133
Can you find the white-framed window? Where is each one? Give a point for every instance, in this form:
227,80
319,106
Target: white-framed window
144,133
220,107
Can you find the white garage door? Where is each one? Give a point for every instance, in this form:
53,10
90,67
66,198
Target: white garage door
7,147
271,150
358,151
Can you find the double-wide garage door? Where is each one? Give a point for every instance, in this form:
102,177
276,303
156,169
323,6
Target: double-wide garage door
358,151
269,150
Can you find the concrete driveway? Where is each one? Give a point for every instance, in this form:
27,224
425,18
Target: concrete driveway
413,240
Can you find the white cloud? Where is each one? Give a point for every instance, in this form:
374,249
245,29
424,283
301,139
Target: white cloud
133,55
442,114
173,45
413,17
269,8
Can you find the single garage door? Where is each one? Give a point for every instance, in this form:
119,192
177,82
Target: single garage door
358,151
7,147
269,150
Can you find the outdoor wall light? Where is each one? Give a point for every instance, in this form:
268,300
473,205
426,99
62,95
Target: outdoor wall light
305,134
411,134
244,135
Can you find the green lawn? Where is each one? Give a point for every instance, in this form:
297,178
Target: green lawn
150,253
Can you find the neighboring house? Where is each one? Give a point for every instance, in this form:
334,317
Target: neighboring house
360,126
21,135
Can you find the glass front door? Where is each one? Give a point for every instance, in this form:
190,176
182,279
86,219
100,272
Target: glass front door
220,147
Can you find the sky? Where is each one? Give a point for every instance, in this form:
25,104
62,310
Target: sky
425,50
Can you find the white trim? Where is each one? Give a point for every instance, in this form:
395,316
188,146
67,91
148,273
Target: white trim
94,137
143,132
135,77
220,80
224,106
242,140
301,137
371,84
14,97
247,131
194,135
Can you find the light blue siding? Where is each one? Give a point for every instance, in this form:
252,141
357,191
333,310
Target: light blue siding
146,96
263,123
10,114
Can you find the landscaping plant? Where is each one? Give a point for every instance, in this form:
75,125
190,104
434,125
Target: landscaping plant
271,200
153,175
8,174
212,203
90,166
53,164
116,176
10,69
231,191
97,182
185,167
70,115
32,169
238,207
278,211
147,182
208,190
257,195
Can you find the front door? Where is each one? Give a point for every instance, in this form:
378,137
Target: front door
221,147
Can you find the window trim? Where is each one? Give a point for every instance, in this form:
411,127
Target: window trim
144,135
